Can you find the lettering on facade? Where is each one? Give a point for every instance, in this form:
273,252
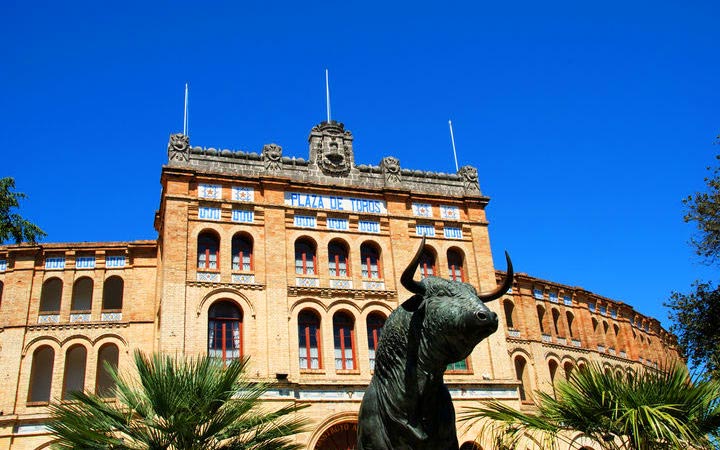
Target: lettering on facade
344,429
335,203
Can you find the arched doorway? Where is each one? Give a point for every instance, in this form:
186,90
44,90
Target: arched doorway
341,436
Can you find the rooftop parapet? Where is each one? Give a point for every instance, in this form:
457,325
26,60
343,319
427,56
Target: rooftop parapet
331,161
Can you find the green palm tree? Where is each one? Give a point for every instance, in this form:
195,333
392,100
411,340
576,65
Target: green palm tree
651,409
177,404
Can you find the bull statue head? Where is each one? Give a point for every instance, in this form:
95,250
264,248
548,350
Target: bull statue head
407,406
456,318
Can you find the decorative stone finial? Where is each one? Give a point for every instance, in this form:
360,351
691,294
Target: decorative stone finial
469,176
391,169
272,154
331,148
179,147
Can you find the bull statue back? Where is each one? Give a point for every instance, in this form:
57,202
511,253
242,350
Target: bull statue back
407,405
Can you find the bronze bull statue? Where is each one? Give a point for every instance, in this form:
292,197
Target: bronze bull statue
407,406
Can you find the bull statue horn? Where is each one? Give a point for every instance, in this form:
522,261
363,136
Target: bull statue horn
507,284
407,276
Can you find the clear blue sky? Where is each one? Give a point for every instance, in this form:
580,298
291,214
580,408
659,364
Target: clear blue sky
588,122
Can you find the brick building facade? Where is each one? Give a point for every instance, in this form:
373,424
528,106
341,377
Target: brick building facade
295,263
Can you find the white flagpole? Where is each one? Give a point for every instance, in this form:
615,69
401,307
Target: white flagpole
452,139
185,117
327,94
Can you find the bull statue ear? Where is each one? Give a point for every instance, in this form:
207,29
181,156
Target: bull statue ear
507,284
407,276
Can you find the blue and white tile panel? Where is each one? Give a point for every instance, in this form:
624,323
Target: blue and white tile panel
341,284
243,194
213,191
334,223
49,318
79,317
422,210
3,265
369,226
373,285
55,262
449,212
85,262
243,278
538,294
307,282
425,230
243,215
208,213
452,233
115,261
567,300
305,221
212,277
111,316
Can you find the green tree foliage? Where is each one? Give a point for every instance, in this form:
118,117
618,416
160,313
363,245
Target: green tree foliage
695,316
12,225
177,404
653,409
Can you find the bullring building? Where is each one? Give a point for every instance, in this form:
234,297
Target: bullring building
296,263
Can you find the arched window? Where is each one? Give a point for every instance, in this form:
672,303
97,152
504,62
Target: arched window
616,329
305,259
594,325
82,296
568,366
509,312
309,340
104,383
113,294
470,446
375,323
570,320
50,296
553,367
541,317
556,319
208,251
522,376
74,377
606,327
338,259
1,292
370,261
41,375
427,262
456,264
344,337
242,253
225,331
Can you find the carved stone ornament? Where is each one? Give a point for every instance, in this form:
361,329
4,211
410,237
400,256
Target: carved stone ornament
391,169
469,176
331,148
272,154
179,147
